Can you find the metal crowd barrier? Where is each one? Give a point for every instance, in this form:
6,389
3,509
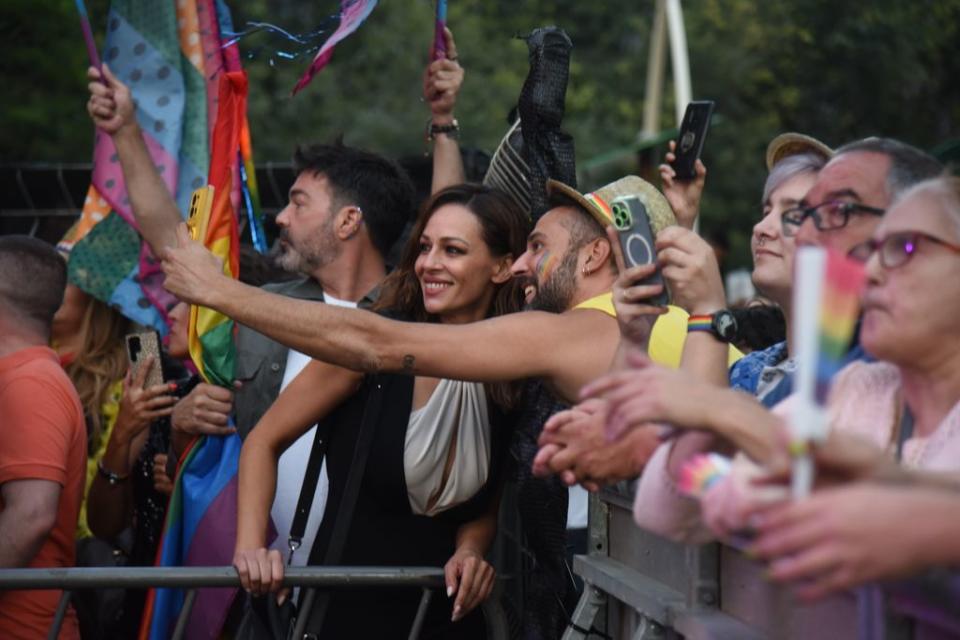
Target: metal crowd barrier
641,586
192,578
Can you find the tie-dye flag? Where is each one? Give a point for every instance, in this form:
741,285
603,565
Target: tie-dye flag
352,15
169,53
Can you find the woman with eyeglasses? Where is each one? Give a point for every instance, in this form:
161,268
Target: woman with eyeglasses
910,310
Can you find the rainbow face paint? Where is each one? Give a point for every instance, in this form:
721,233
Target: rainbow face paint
545,266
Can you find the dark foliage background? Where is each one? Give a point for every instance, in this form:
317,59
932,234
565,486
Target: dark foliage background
835,70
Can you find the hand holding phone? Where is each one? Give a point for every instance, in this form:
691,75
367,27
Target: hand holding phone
201,202
693,133
140,347
636,239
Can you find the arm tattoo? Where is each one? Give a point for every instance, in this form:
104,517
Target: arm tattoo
409,362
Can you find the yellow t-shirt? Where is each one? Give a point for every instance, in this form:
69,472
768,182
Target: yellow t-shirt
668,335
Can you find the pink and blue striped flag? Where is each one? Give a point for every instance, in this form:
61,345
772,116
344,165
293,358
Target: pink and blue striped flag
352,15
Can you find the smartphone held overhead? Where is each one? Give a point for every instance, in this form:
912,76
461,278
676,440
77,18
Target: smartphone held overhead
693,133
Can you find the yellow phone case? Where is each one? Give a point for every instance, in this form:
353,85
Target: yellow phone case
200,204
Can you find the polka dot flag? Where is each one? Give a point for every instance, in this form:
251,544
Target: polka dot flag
169,53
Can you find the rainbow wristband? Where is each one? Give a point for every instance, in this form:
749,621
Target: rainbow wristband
700,323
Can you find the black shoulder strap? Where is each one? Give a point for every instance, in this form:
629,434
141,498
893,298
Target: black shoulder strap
313,608
310,479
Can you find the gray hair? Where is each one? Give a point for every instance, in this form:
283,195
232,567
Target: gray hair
790,167
908,164
944,187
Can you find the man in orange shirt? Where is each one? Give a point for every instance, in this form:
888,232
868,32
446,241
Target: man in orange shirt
43,445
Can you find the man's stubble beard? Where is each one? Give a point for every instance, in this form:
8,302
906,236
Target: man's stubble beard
308,257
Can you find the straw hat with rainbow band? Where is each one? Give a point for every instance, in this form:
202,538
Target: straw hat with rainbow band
598,202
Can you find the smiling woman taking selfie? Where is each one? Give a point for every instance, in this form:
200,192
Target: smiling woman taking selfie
430,487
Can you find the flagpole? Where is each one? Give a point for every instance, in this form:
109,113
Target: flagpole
88,34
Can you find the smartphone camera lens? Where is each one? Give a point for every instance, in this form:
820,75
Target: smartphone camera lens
135,347
621,216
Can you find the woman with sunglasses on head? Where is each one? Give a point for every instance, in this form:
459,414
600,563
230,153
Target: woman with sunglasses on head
430,486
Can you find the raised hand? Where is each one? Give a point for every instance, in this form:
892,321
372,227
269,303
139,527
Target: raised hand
192,271
442,80
110,105
634,315
690,269
683,195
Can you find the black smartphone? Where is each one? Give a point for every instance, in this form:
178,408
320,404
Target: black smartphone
636,239
140,346
693,132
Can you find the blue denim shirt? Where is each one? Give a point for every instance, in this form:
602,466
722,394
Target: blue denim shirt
745,373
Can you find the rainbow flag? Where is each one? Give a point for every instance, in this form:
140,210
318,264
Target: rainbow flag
170,55
200,530
200,527
826,305
211,333
839,310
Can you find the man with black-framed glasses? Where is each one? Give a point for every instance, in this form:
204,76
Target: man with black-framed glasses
826,216
847,202
854,189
